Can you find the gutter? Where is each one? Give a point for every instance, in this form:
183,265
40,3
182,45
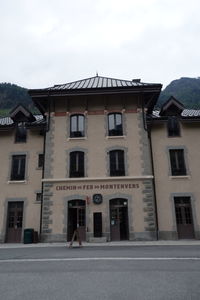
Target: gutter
148,130
43,168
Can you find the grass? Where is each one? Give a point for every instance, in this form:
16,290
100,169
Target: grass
5,112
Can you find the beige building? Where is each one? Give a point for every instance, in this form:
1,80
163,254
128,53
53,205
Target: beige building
21,140
175,144
112,167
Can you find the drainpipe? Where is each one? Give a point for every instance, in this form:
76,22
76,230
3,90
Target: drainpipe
148,130
44,151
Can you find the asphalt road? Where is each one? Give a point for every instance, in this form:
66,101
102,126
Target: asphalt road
160,272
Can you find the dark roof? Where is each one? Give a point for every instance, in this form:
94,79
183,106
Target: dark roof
7,121
98,82
97,85
171,105
185,113
21,113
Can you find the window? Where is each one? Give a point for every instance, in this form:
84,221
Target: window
173,127
177,162
117,163
115,124
76,164
40,160
18,167
20,133
77,126
38,197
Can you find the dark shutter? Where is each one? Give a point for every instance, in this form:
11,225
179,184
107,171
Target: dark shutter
22,168
81,164
97,217
20,134
121,167
14,168
40,160
72,164
177,162
173,126
77,164
117,167
18,167
112,163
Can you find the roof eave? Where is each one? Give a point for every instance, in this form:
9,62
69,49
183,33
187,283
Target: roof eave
127,90
182,119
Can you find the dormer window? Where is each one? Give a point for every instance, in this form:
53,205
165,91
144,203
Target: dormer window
20,133
173,126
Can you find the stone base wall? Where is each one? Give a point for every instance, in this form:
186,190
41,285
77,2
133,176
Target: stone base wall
143,236
167,235
2,238
197,235
133,236
53,238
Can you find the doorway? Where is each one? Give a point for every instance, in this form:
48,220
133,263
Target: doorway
76,219
184,219
119,219
14,222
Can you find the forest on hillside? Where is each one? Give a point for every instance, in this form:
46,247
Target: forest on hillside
185,89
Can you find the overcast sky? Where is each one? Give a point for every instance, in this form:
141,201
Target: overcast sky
47,42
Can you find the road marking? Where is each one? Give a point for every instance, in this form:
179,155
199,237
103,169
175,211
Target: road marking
96,259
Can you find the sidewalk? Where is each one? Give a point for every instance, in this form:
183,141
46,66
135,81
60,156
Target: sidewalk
108,244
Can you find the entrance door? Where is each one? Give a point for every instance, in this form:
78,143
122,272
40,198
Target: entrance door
76,219
14,222
118,219
184,218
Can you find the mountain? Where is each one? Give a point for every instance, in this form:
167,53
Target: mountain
185,89
11,95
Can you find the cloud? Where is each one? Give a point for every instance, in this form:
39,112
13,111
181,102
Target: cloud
49,42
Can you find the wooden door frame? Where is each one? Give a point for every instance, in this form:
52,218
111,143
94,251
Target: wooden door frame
180,227
127,217
193,208
7,200
75,207
7,221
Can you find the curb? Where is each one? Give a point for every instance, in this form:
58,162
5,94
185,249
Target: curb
108,244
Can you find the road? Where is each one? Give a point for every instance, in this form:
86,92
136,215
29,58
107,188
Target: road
150,272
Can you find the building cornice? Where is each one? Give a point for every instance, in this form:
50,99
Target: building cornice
118,178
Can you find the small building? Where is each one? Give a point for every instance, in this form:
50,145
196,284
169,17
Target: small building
100,159
176,158
21,160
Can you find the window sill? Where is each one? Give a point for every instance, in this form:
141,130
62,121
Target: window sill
173,136
16,181
180,177
115,137
77,138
